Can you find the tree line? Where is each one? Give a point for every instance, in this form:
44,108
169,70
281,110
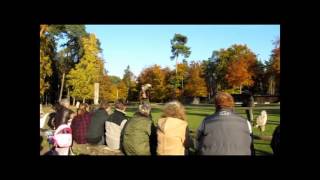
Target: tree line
73,70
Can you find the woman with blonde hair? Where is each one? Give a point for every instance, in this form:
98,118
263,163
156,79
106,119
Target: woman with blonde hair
172,130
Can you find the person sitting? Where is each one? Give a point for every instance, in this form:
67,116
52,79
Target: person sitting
224,132
115,124
63,113
96,129
80,123
172,132
139,133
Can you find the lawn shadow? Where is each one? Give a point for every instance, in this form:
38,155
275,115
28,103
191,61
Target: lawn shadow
273,122
198,114
260,152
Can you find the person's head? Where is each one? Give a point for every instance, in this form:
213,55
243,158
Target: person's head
65,102
223,100
144,109
120,104
104,104
83,108
174,109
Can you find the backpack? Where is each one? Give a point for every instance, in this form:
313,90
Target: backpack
62,137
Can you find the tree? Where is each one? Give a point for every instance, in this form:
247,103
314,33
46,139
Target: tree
155,76
47,53
88,71
115,79
178,47
196,85
259,85
182,69
225,57
131,84
273,70
122,90
108,91
238,74
210,77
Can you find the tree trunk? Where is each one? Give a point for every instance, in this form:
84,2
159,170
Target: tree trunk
240,88
84,100
68,96
117,94
46,99
61,88
74,100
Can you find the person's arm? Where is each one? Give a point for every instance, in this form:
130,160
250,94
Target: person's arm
199,137
153,139
251,135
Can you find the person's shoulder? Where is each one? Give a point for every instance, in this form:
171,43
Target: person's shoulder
237,116
210,118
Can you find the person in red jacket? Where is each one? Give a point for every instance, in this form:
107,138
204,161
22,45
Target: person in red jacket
80,123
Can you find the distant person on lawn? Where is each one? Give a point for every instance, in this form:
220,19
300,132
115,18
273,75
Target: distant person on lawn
248,101
224,132
80,124
96,129
115,124
139,134
173,133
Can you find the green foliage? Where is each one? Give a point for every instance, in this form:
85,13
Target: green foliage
88,71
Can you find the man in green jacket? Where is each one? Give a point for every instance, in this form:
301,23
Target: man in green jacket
139,135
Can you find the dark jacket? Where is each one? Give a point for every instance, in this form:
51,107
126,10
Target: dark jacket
62,116
275,142
96,128
224,133
247,100
79,126
138,135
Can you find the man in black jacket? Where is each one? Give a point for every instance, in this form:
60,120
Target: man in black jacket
63,113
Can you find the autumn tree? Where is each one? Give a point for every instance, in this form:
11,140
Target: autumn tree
122,90
131,84
47,53
107,90
224,58
196,85
88,71
273,69
238,74
155,76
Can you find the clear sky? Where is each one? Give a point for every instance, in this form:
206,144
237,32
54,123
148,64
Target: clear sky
143,45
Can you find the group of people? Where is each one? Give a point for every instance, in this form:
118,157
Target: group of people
222,133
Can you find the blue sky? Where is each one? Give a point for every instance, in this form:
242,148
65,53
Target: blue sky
143,45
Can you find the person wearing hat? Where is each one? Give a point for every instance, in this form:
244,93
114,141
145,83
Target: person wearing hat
138,136
224,132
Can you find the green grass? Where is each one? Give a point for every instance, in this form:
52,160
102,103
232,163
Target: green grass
196,113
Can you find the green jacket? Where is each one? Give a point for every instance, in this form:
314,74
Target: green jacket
138,135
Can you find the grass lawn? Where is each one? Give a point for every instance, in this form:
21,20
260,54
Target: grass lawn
196,113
